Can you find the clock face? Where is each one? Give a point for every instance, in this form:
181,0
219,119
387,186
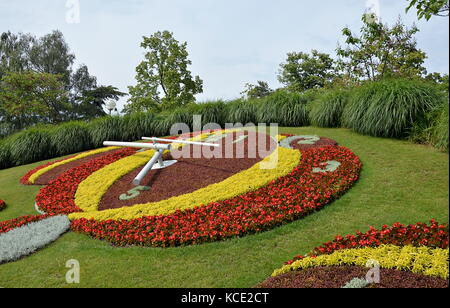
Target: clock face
252,182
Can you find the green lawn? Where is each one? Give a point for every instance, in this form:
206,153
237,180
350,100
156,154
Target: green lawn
400,182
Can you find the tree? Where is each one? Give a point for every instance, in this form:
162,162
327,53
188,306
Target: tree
260,90
163,78
304,71
28,98
92,101
50,54
429,8
380,51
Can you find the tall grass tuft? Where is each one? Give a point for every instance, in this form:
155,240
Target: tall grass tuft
70,137
327,110
106,128
137,125
390,107
31,145
241,111
284,108
439,130
5,154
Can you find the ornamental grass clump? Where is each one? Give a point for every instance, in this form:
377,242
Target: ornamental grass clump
137,125
285,108
241,111
439,130
70,137
327,110
5,155
390,107
106,128
31,145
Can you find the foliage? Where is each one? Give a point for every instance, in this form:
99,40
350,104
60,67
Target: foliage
71,137
2,205
29,98
284,108
422,260
327,110
30,145
260,90
50,54
380,51
106,128
428,8
356,283
241,111
390,107
165,68
27,239
439,129
303,71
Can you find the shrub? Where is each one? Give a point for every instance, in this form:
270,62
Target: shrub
31,145
327,110
212,112
390,107
106,128
70,137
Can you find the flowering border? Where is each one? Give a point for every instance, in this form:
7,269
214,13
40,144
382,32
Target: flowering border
8,225
31,177
420,260
433,235
284,200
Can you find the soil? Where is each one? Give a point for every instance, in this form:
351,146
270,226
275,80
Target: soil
188,174
338,276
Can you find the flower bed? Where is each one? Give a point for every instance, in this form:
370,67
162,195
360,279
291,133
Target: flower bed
8,225
58,196
286,199
420,260
420,234
28,238
343,277
31,177
2,205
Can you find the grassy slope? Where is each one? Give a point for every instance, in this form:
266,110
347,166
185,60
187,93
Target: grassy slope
400,182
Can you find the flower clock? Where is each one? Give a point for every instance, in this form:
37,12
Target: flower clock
251,183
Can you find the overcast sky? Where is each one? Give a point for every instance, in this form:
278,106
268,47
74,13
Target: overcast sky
230,42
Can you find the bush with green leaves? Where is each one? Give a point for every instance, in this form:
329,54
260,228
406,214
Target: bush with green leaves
241,111
5,154
137,125
327,110
390,107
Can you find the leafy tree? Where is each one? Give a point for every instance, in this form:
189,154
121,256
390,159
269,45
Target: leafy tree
28,98
429,8
304,71
50,54
381,51
261,89
163,78
92,101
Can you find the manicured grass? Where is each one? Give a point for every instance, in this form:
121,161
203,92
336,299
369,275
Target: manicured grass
400,182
